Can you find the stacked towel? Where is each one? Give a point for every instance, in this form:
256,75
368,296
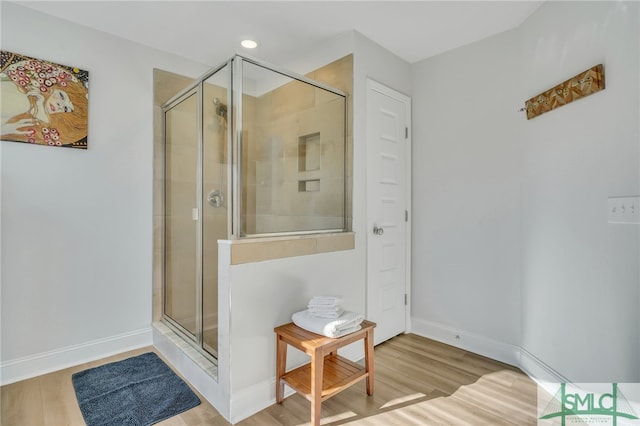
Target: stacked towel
326,306
326,316
347,323
329,312
325,300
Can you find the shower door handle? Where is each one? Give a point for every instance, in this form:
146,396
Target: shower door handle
377,230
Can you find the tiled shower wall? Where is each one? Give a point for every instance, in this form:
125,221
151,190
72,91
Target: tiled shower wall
293,154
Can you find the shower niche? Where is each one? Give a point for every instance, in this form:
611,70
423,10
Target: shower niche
309,162
249,151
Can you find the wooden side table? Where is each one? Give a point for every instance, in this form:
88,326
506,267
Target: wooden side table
327,373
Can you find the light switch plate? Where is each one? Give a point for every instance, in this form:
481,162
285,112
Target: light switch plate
623,209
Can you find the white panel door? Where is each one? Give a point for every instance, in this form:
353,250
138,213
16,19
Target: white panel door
388,198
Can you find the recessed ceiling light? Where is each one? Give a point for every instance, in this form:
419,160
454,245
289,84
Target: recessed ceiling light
249,44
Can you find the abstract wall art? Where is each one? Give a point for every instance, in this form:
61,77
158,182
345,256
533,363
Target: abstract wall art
42,102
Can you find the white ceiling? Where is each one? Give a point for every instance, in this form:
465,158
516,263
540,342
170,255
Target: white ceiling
210,31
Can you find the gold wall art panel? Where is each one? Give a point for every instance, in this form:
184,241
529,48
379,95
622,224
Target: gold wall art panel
579,86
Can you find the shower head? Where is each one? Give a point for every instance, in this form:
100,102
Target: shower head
221,109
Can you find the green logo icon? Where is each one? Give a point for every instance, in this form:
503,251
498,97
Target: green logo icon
565,404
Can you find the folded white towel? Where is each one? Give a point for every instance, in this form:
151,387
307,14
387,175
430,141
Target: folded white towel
326,314
326,311
345,324
325,300
326,308
348,331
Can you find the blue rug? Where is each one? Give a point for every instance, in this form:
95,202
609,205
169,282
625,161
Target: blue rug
138,391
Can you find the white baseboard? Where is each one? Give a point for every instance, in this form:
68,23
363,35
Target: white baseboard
472,342
538,370
46,362
514,355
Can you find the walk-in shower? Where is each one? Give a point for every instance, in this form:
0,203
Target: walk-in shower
250,151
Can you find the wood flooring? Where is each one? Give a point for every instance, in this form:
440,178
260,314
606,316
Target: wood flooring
417,382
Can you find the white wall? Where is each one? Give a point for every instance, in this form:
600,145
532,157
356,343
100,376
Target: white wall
511,241
77,228
264,295
580,274
466,198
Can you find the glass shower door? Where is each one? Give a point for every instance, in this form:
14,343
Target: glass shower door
181,214
196,214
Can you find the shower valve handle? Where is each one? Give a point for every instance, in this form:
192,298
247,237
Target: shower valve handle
215,198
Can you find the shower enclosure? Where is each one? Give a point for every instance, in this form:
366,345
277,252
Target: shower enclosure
250,150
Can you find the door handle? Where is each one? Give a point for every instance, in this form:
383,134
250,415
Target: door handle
377,230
